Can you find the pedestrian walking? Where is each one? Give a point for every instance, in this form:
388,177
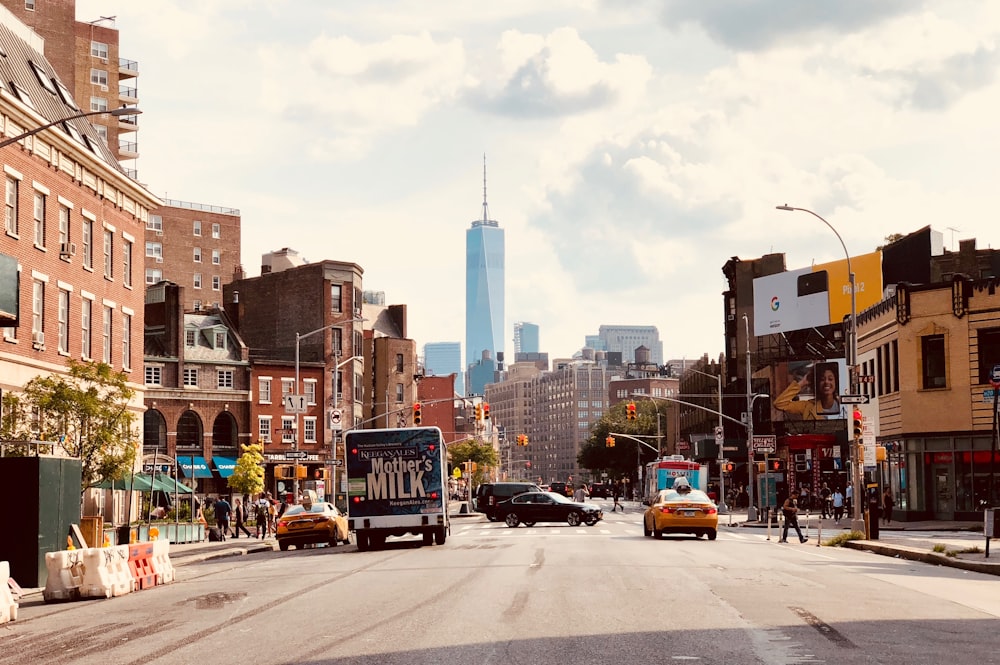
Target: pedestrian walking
888,503
826,497
615,493
261,510
790,509
239,519
838,505
849,498
580,495
222,512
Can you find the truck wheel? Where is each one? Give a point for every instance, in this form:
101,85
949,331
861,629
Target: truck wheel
363,543
428,537
512,520
440,535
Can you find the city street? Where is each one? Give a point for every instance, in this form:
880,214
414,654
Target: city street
491,594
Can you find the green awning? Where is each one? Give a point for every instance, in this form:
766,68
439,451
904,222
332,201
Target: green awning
140,482
165,483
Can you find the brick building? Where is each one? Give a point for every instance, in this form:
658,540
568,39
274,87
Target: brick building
85,56
71,224
196,246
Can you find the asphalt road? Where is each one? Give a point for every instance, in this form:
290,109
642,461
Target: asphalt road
551,593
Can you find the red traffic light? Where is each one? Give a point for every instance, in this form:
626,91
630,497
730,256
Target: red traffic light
417,415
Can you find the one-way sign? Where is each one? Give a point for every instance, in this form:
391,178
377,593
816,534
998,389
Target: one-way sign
854,399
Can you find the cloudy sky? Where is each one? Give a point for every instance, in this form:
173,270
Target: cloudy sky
632,146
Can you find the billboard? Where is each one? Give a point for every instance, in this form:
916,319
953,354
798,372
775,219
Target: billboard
809,390
815,296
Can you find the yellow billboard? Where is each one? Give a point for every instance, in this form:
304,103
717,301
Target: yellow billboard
867,283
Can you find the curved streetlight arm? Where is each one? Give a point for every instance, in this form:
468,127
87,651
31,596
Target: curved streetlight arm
629,436
124,110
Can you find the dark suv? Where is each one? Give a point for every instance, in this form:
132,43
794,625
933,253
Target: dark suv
565,489
488,495
600,491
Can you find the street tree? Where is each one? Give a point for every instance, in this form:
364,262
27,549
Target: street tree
621,461
473,450
85,412
248,475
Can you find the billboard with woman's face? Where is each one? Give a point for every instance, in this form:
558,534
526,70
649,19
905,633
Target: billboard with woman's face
809,390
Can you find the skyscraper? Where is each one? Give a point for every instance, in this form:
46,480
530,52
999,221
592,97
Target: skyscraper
525,337
444,358
484,296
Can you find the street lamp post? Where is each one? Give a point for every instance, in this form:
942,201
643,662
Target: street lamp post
719,439
124,110
851,353
298,338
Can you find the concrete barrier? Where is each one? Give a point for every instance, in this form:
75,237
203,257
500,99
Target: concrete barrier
8,606
162,568
65,575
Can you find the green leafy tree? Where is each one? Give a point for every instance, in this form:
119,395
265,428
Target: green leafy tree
474,450
620,461
248,475
86,412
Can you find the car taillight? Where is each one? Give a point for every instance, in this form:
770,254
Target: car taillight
282,522
492,500
669,510
711,510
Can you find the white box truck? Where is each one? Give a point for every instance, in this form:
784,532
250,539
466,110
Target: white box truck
397,484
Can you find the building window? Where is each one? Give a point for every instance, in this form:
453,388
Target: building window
197,280
88,249
126,341
63,321
336,302
127,262
216,231
190,337
287,387
39,219
399,362
399,393
264,391
154,375
338,388
12,187
154,275
197,305
155,223
109,239
88,306
933,361
63,227
154,250
338,341
309,429
106,357
225,378
99,77
9,334
220,340
216,282
37,308
97,49
29,5
197,254
191,377
359,382
216,257
264,428
98,104
310,391
288,429
989,351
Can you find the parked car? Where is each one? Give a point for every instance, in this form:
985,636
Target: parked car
671,511
488,495
534,507
566,489
309,524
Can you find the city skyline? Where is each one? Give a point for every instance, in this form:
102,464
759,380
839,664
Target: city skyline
634,149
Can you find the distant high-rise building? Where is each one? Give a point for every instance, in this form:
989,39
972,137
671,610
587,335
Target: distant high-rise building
444,358
627,339
484,294
525,337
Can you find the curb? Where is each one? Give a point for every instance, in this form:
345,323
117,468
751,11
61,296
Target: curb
915,554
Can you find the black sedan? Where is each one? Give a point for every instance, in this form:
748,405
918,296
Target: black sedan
533,507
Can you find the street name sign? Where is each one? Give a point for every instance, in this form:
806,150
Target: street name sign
765,443
297,454
854,399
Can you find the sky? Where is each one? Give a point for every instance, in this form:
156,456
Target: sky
632,146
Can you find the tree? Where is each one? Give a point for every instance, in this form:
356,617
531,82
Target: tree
473,450
85,411
620,461
248,475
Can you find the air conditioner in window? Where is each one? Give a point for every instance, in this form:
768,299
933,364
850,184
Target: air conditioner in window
159,259
38,339
159,232
357,312
731,317
104,87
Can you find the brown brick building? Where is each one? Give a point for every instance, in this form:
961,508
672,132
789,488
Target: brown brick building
196,246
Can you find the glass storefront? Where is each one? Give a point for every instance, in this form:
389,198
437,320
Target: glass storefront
943,477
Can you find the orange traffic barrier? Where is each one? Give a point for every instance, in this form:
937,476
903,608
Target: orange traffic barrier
140,562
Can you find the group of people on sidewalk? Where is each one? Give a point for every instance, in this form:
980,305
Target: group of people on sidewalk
265,512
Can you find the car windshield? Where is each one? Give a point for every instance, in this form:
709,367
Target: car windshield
694,496
301,508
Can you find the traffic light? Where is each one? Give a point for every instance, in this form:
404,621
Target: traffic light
486,411
609,442
728,468
778,465
479,412
418,417
859,424
630,411
527,465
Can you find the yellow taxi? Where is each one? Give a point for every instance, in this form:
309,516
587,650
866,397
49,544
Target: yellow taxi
681,510
310,524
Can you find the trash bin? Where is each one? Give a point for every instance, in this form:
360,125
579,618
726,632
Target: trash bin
874,515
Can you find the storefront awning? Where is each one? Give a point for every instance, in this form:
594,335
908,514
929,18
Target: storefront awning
224,465
193,466
165,483
140,482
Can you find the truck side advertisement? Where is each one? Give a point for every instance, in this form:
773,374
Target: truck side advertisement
395,472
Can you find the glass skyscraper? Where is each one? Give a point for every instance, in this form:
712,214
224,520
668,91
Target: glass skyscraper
525,337
444,358
484,296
